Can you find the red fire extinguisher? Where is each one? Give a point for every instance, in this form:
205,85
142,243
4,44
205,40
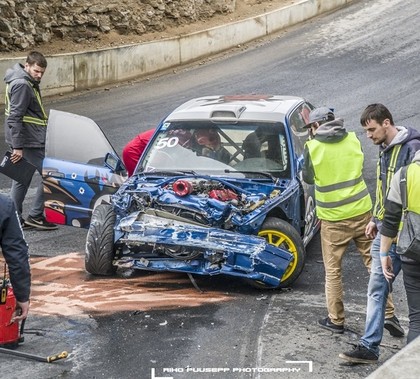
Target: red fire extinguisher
10,335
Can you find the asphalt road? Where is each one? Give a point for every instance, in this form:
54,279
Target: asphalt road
361,54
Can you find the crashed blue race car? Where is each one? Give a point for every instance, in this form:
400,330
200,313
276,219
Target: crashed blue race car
218,190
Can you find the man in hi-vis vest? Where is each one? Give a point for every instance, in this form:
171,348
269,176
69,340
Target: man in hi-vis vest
334,164
397,147
25,131
389,230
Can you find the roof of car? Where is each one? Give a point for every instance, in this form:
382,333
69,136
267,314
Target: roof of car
236,108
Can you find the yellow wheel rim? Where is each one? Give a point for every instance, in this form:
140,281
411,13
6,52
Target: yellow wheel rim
278,239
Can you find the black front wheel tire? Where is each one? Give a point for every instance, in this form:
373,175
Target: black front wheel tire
99,249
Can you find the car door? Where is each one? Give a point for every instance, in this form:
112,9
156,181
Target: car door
80,170
297,121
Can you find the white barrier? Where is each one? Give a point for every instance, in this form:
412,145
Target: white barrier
90,69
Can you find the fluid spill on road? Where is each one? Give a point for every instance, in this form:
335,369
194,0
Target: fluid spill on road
61,286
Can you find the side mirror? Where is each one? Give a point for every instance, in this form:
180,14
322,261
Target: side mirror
114,163
299,163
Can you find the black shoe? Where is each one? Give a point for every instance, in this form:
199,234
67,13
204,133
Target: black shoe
24,225
360,354
393,326
326,323
40,223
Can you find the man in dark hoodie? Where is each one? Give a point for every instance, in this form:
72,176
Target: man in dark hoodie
15,252
334,163
397,148
25,130
394,207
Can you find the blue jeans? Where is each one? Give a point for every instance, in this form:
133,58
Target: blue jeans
378,290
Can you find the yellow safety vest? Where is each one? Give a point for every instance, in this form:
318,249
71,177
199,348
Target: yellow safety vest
340,190
383,188
29,119
413,188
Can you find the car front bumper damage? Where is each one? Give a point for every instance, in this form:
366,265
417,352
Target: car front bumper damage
218,251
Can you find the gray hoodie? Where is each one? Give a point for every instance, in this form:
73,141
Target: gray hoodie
22,90
331,132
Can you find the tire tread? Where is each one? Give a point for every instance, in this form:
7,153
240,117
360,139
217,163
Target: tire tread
100,242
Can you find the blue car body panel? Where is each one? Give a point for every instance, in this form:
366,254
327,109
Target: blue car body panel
244,255
182,210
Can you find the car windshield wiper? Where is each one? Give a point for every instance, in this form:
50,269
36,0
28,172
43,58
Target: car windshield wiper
169,172
266,174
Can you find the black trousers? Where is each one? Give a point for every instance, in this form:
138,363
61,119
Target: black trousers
411,274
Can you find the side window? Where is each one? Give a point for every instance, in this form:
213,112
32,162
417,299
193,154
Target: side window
70,136
297,121
299,118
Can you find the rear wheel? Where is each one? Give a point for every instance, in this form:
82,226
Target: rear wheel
281,234
100,241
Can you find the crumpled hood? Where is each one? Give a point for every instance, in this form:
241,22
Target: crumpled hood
202,224
205,200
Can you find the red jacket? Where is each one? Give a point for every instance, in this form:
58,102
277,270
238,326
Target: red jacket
134,149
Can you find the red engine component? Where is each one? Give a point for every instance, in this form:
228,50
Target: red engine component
182,187
9,333
223,194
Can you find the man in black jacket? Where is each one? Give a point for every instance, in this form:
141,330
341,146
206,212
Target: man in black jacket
25,130
15,252
389,230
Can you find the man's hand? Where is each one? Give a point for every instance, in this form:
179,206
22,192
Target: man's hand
371,230
21,311
16,156
387,268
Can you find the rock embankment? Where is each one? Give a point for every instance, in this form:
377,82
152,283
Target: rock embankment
26,23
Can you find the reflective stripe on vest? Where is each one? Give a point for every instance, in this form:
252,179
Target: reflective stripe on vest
340,191
28,119
333,187
382,186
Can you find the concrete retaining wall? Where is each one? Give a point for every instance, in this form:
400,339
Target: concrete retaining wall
90,69
403,365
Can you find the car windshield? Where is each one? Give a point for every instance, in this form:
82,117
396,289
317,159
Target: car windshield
244,149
